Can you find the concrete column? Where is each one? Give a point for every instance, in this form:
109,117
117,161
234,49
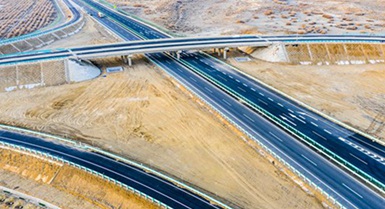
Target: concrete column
129,59
178,54
219,52
225,50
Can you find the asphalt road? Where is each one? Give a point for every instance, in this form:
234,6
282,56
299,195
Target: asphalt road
359,151
347,190
149,184
213,67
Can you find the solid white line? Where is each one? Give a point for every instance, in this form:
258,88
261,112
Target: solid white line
352,190
358,159
309,160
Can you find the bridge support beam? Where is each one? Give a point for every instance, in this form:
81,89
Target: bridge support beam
225,50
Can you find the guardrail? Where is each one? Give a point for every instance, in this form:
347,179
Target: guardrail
359,173
58,159
295,171
114,156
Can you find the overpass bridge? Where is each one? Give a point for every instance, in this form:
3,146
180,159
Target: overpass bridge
179,45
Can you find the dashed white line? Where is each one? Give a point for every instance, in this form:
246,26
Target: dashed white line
245,84
248,118
358,159
309,160
280,104
314,124
208,90
302,117
327,131
193,79
270,99
275,136
241,89
319,135
290,110
252,89
261,94
356,193
226,102
237,80
263,102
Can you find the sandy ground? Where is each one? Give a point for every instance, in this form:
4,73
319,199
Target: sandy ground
62,185
143,116
213,17
353,94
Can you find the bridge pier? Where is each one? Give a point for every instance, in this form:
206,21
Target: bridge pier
225,50
178,54
129,59
219,52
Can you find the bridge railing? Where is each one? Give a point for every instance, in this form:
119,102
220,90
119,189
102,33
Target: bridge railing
61,160
121,159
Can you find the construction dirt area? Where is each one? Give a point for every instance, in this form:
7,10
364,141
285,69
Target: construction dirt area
143,115
60,185
215,17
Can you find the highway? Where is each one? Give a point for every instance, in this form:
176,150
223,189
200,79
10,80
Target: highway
202,74
160,189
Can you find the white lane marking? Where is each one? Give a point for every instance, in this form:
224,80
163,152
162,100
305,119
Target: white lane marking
290,110
231,76
302,117
319,135
261,94
302,113
356,193
314,124
226,102
245,84
193,79
248,118
275,136
367,144
327,131
252,89
270,99
263,102
309,160
222,78
237,80
358,159
208,90
100,166
280,104
241,89
284,118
